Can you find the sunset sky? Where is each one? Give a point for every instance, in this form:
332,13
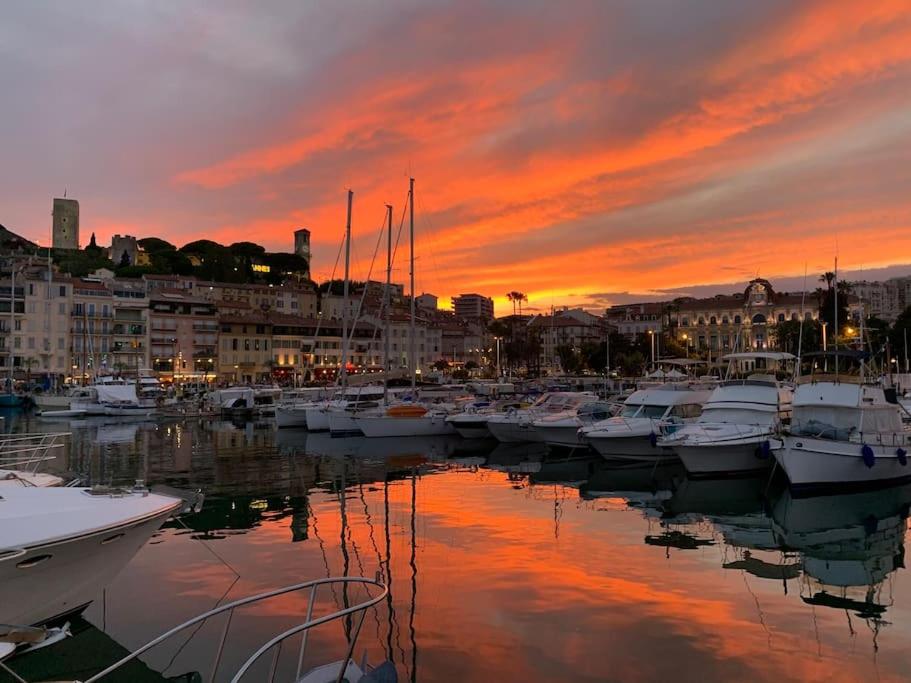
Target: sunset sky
584,153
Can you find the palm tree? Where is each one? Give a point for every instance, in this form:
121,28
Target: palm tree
828,277
515,297
522,297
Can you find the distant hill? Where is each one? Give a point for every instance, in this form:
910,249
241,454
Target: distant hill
13,242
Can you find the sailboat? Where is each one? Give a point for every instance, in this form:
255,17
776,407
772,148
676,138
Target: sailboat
408,419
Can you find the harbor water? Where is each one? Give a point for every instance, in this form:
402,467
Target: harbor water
503,563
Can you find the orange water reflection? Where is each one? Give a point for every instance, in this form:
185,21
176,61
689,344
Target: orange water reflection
499,576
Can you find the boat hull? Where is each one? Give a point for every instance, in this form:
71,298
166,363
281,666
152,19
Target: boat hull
565,436
630,448
471,428
380,426
716,459
513,431
290,417
812,463
59,578
343,423
318,419
49,401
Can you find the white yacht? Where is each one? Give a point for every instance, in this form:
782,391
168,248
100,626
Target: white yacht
517,426
740,421
60,546
844,433
318,414
113,399
645,416
340,414
406,420
471,423
291,410
562,429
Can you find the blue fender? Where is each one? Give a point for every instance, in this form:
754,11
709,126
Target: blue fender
869,456
653,439
902,455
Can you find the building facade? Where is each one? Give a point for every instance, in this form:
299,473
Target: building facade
739,322
183,336
473,307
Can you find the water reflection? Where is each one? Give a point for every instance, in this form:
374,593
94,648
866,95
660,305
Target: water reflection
506,561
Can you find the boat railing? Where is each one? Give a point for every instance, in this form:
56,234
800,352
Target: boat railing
731,430
274,644
18,451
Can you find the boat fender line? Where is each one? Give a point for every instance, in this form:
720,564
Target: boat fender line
653,439
869,456
764,450
902,456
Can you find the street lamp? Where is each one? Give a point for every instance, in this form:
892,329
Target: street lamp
498,357
651,339
686,343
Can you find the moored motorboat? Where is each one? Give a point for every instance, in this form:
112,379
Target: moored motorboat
740,422
562,429
61,546
844,434
517,425
646,415
471,423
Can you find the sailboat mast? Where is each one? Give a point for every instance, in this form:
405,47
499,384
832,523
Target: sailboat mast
835,315
388,297
343,370
412,361
12,321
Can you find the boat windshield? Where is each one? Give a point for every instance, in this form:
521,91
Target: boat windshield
643,411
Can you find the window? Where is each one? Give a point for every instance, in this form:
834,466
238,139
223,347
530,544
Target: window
713,321
61,308
246,344
781,317
61,343
737,320
92,309
31,342
685,322
62,290
256,344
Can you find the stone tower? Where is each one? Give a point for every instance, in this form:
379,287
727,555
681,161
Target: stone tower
302,245
66,224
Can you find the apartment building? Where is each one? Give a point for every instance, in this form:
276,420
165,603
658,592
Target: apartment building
129,335
183,335
91,326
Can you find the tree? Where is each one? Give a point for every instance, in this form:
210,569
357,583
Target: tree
93,249
570,360
516,298
827,310
788,336
441,364
171,263
153,244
